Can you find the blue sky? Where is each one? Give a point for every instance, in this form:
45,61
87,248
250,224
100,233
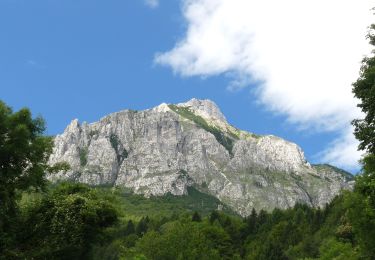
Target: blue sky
84,59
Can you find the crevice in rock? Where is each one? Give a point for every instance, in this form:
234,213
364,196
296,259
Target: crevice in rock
121,154
306,193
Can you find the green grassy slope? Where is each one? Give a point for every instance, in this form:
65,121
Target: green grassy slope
135,206
221,137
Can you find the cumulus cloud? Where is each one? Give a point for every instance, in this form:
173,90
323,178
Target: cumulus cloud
303,55
343,151
152,3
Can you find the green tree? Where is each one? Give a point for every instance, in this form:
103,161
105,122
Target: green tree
182,240
365,183
196,217
333,249
364,90
251,223
67,223
24,153
363,217
218,239
142,226
130,228
214,216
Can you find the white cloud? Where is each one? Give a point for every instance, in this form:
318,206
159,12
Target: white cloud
343,151
152,3
304,54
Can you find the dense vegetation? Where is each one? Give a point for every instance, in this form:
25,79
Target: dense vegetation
364,90
24,153
75,221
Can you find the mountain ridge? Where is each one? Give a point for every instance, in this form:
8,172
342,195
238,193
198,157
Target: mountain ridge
174,146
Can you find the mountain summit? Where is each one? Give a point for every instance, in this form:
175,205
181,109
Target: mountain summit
170,147
205,108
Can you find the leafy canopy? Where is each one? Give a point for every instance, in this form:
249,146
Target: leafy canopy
363,204
364,90
24,153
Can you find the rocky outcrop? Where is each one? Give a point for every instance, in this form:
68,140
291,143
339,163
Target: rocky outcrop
171,147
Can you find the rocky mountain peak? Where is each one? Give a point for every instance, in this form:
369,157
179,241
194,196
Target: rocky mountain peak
74,124
204,108
168,148
163,107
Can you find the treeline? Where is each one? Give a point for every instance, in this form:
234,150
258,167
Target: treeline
75,221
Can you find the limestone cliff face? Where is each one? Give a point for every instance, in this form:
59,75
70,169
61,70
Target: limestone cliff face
170,147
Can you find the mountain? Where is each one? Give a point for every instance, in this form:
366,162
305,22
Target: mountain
171,147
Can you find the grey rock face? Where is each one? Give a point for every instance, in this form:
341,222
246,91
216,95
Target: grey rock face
168,148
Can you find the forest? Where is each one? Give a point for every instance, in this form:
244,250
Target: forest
75,221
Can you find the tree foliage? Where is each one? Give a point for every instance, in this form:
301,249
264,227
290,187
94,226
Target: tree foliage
67,222
24,152
364,90
75,221
363,205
